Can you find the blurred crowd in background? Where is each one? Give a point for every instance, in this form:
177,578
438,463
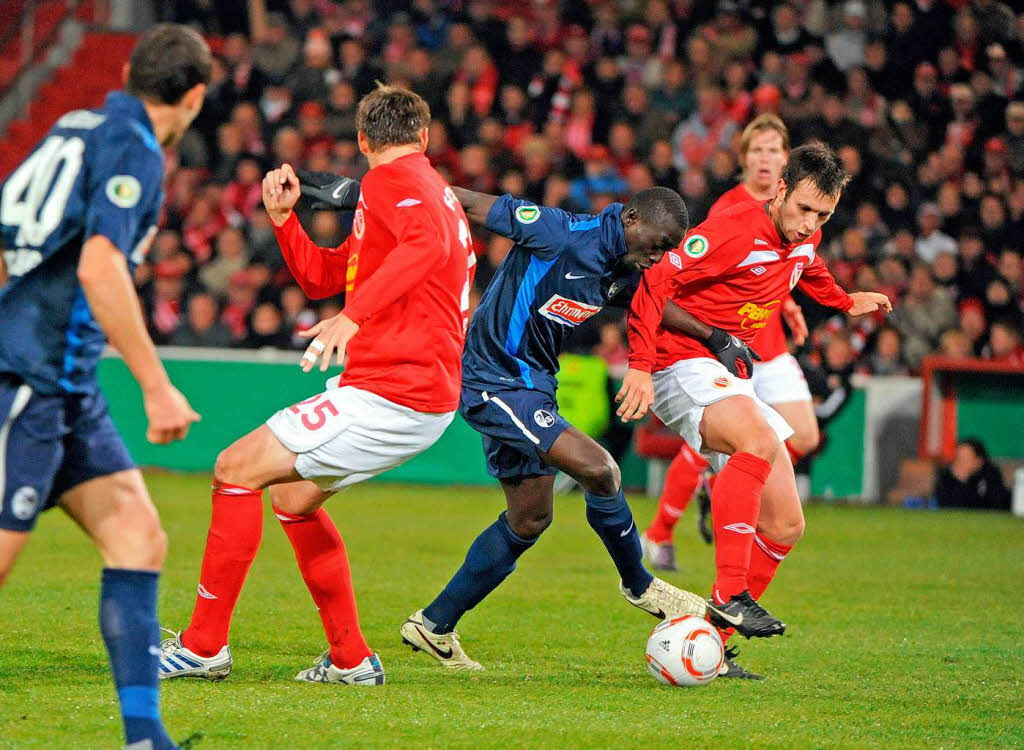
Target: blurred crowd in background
579,104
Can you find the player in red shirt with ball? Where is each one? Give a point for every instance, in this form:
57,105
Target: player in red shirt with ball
732,272
406,271
777,377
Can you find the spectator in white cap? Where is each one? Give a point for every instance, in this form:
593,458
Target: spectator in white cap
931,241
846,46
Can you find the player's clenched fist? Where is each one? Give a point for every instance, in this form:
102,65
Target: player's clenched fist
280,193
328,335
636,395
169,414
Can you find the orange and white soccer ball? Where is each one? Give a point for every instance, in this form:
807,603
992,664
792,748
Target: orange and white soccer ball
685,651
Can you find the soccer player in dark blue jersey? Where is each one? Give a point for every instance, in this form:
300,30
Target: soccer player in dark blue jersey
562,270
75,218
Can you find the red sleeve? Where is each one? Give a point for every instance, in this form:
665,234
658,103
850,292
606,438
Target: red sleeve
817,282
706,252
418,252
320,271
644,318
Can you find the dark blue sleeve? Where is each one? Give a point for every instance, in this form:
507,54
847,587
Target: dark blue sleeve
543,231
123,189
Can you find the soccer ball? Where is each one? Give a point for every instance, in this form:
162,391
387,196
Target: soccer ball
685,651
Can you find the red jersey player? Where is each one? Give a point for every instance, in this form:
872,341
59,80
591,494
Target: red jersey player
777,378
408,259
732,272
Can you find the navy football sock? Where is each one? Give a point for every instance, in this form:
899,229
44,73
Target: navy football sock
490,560
130,631
611,518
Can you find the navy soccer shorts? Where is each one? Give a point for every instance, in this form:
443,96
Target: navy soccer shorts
48,445
516,426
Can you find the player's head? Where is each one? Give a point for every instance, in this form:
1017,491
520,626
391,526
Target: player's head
168,71
391,116
809,190
654,221
764,148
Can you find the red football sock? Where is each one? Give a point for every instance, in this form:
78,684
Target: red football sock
735,505
320,552
681,482
765,557
236,528
794,454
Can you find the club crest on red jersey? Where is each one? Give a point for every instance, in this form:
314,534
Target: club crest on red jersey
797,270
567,311
359,223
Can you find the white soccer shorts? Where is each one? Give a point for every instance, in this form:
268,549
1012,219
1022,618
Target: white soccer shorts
346,435
683,390
780,380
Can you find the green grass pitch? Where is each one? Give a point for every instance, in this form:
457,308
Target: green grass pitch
904,631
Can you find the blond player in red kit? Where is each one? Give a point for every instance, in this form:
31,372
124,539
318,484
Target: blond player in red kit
777,377
405,271
731,272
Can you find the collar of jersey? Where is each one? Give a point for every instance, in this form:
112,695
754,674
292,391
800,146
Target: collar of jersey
130,106
613,235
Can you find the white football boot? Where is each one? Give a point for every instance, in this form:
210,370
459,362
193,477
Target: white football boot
444,647
178,661
366,673
662,600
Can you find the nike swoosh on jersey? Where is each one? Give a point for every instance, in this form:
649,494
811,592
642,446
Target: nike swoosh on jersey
408,202
627,530
572,276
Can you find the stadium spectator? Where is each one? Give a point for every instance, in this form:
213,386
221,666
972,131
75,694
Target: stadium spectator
201,328
922,98
971,480
846,45
924,315
931,241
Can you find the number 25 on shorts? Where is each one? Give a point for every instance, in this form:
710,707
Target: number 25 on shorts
316,417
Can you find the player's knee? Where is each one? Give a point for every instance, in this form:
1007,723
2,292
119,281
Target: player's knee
230,467
601,477
529,525
761,441
783,530
806,441
140,545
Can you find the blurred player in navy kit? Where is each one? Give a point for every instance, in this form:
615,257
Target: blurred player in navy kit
76,217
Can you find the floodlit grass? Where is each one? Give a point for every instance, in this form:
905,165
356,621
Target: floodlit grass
904,631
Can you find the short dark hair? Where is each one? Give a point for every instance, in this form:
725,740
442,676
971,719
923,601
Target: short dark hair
168,60
392,116
977,446
661,207
819,164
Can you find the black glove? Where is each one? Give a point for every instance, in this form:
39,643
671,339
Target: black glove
732,352
328,192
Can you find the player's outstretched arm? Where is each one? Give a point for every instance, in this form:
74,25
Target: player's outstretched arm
476,205
321,272
868,302
737,357
103,274
328,191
